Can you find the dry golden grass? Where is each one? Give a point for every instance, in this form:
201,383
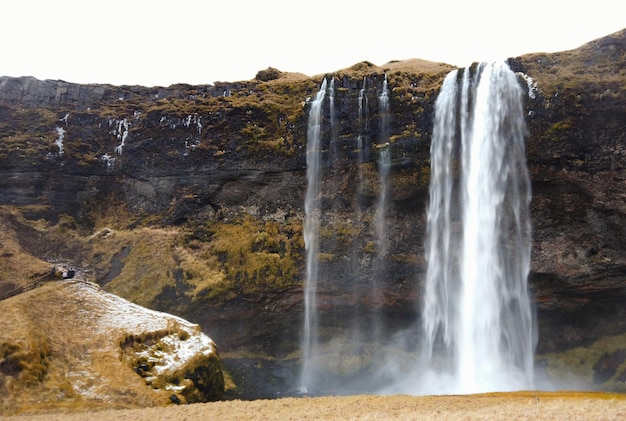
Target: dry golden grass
493,406
62,347
596,63
18,266
59,358
413,65
416,65
150,251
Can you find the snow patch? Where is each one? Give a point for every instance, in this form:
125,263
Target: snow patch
194,120
176,340
59,141
108,160
122,134
84,382
532,86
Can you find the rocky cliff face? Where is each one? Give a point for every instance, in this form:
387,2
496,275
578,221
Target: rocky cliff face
189,199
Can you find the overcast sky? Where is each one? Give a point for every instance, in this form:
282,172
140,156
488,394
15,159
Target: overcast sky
159,43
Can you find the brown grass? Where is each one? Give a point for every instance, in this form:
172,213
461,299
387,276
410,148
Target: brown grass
144,275
593,63
493,406
58,351
17,266
51,334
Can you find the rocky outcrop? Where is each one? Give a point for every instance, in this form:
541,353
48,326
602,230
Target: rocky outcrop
32,93
577,160
69,343
225,167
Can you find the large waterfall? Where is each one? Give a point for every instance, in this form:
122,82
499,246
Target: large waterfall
311,238
471,329
476,315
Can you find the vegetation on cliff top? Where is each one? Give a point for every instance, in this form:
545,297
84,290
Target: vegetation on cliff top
243,256
255,118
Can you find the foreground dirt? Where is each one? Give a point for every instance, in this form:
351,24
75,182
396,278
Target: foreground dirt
500,406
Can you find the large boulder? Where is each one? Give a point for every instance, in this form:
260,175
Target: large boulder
69,343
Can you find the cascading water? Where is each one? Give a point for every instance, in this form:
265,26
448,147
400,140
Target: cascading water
384,164
333,124
476,324
312,209
327,155
361,141
476,316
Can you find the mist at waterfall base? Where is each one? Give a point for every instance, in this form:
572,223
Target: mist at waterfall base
473,329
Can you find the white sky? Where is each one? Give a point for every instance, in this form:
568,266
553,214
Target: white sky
159,43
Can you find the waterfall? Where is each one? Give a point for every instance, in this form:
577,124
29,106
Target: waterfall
374,324
331,262
361,140
476,316
332,158
476,323
312,210
384,164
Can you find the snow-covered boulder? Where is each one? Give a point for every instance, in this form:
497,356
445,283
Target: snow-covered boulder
169,352
71,343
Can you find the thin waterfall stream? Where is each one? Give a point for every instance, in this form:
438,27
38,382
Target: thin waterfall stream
312,208
384,164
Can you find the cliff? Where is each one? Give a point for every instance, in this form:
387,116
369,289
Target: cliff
189,199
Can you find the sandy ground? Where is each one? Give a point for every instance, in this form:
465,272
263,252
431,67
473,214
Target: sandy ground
502,406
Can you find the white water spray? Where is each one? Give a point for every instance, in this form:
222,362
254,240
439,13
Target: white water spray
332,149
361,142
476,316
384,164
312,210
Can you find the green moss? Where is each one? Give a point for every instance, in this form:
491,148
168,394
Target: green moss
147,269
256,256
326,257
341,232
558,131
369,247
409,259
424,175
580,366
67,223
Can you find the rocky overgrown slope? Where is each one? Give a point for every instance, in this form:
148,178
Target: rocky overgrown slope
69,344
